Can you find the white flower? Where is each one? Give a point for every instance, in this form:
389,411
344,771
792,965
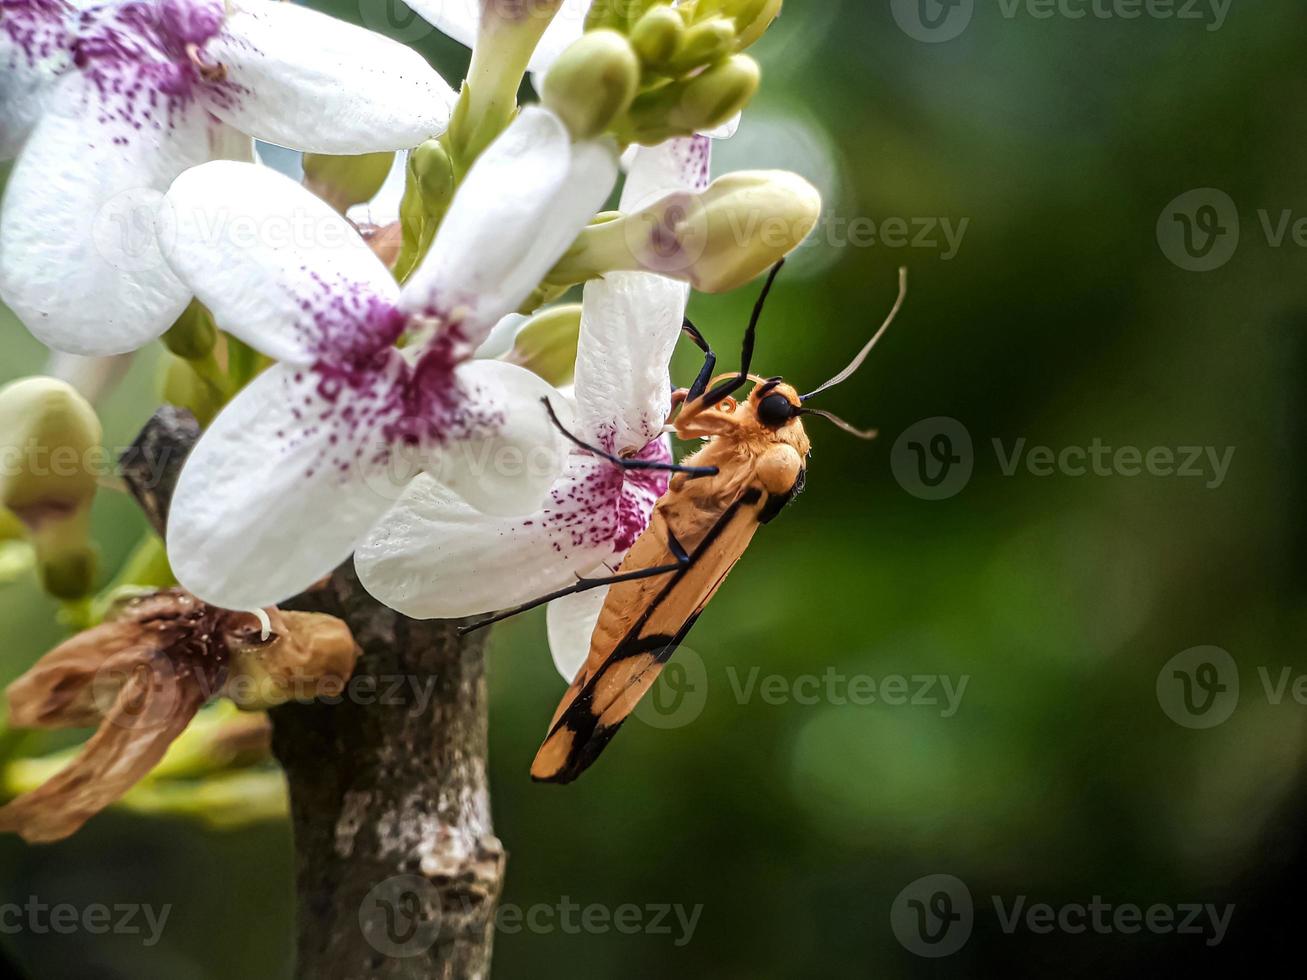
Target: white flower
433,556
303,462
106,103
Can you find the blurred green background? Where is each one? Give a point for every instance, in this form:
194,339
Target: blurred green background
1060,320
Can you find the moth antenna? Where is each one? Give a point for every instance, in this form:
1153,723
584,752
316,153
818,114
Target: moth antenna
852,430
862,355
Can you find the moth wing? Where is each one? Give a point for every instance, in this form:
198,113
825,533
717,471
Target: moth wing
644,621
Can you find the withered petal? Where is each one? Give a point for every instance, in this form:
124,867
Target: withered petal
151,710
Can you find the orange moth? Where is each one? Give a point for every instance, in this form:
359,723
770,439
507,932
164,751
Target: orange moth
753,462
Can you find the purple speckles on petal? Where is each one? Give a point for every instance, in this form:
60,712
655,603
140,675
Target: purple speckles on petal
190,21
361,400
600,504
695,156
36,30
140,57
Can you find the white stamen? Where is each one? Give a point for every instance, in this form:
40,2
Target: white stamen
265,621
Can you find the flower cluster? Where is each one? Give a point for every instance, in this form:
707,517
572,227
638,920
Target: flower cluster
415,397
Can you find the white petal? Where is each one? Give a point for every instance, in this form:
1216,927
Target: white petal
459,19
308,81
267,503
509,470
571,624
501,337
79,263
34,52
519,209
726,130
630,323
434,556
277,266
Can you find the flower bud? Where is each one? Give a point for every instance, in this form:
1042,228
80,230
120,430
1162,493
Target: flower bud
48,433
433,171
752,18
343,181
193,335
592,83
657,36
704,43
546,344
695,104
717,240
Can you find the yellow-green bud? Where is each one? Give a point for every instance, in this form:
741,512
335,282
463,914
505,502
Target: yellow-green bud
718,240
345,181
50,458
592,83
48,433
657,36
695,104
546,344
704,43
193,335
434,172
752,20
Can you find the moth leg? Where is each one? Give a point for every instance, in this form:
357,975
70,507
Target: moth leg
629,464
709,363
683,560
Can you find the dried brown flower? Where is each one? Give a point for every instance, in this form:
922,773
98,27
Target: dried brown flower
142,676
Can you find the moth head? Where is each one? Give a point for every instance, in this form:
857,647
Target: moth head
775,404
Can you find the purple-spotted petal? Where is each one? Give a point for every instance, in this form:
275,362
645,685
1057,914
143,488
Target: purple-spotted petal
631,321
435,557
283,484
278,267
571,624
519,209
79,263
34,52
302,79
656,171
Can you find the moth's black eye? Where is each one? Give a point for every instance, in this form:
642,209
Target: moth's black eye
775,410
